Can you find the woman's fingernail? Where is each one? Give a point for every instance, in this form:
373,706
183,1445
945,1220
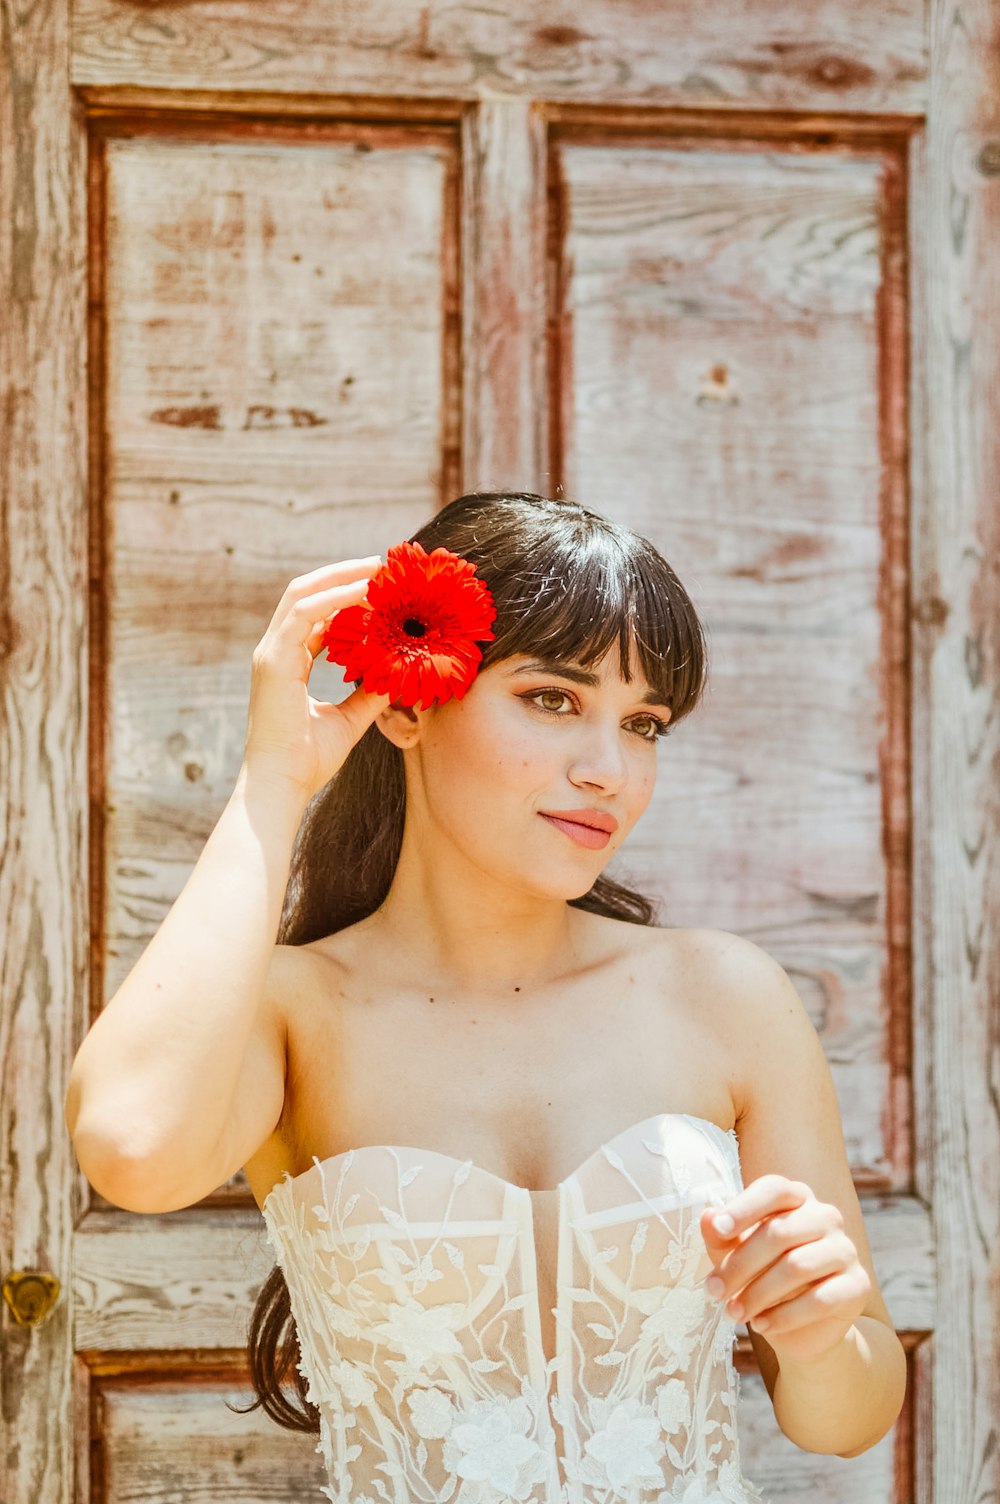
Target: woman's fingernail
724,1223
715,1285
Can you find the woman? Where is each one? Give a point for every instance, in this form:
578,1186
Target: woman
489,1110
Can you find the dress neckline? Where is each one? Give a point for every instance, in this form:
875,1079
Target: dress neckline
288,1179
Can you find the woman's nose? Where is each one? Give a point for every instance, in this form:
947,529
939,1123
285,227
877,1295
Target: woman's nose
600,758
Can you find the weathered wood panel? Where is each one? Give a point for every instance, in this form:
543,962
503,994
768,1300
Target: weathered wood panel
716,70
779,55
717,385
503,257
956,737
280,388
184,1280
43,783
162,1431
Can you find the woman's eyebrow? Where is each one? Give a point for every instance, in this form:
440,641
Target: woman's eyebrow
576,676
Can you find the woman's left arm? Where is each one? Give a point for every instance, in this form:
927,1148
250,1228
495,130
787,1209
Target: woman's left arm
797,1262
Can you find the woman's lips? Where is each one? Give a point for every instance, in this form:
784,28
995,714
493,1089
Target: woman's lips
583,835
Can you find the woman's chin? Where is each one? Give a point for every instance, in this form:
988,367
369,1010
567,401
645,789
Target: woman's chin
562,885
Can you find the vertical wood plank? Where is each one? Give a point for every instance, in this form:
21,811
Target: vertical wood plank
895,748
729,338
925,618
956,628
504,406
43,785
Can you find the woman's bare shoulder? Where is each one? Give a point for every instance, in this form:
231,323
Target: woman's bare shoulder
689,946
342,949
716,966
300,977
728,959
712,946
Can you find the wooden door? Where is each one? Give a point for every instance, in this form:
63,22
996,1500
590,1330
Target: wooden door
279,280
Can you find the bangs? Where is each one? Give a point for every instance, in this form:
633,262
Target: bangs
568,585
576,609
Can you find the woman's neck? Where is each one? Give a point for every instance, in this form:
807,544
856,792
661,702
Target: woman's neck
461,926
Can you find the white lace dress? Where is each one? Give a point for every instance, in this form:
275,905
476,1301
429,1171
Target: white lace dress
468,1341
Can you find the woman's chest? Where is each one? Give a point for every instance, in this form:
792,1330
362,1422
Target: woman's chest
524,1090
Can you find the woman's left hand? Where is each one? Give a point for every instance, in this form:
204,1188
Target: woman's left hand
788,1267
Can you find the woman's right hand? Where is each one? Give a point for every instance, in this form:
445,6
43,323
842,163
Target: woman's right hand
289,734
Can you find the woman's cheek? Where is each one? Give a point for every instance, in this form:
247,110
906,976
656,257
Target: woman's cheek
514,742
644,791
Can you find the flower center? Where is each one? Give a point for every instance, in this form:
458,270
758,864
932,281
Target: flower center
414,627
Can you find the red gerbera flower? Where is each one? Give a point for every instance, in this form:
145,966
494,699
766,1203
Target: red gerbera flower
415,636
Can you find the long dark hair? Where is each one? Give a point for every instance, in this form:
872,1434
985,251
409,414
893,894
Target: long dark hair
567,585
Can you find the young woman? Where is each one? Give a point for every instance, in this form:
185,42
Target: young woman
492,1113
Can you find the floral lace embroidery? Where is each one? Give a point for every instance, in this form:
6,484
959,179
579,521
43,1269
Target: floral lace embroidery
418,1299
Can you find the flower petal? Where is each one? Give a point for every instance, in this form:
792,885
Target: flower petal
442,592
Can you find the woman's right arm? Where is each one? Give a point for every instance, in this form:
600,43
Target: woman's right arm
156,1081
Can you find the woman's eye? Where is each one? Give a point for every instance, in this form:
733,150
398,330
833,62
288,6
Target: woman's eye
649,727
655,728
550,694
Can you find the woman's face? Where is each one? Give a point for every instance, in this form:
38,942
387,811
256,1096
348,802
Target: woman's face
509,774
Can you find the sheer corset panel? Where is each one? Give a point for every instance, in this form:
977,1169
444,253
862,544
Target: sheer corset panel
466,1339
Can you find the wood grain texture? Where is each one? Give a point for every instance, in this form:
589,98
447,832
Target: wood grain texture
280,387
956,736
776,55
161,1431
182,1280
718,367
43,810
504,228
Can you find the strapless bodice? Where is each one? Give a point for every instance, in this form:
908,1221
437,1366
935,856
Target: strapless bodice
470,1341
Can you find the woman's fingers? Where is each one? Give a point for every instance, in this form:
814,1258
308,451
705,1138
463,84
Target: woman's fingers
316,591
357,596
297,626
359,708
286,728
323,603
341,573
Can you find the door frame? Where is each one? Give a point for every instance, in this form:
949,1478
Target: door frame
47,576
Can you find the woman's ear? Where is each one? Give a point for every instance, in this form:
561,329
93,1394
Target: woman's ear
400,724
